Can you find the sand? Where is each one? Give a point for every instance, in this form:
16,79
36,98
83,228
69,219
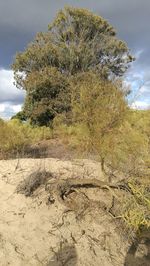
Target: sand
34,231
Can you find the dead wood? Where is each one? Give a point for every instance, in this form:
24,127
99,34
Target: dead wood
61,188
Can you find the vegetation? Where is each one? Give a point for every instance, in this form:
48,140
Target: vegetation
77,41
71,75
136,208
16,137
99,107
20,116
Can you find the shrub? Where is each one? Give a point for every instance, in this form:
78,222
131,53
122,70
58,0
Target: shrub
129,151
16,136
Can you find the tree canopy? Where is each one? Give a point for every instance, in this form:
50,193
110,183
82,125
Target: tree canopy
76,41
47,95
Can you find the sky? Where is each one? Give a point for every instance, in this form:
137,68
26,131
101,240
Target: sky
20,20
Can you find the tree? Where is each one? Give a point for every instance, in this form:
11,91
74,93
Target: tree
87,41
99,106
47,95
76,41
20,116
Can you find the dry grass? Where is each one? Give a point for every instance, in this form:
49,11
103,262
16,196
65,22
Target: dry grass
16,138
136,207
32,182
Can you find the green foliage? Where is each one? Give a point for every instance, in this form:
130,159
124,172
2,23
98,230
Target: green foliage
87,41
47,95
99,108
77,41
20,116
129,151
15,137
140,121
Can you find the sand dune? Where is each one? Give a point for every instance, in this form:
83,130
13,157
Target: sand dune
34,231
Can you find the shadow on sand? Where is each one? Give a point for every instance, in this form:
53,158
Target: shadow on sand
66,255
139,252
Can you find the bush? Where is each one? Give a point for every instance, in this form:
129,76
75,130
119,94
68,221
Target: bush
129,151
99,108
16,136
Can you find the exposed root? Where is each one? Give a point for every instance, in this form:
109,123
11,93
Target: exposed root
61,188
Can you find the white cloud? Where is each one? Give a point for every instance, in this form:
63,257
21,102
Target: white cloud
16,108
2,108
140,87
7,110
140,105
11,98
8,91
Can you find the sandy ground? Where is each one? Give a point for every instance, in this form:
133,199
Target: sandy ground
35,232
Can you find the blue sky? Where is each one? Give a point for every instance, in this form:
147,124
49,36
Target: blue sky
20,20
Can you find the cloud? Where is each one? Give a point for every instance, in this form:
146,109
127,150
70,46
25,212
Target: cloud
8,91
7,110
141,105
139,80
11,98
